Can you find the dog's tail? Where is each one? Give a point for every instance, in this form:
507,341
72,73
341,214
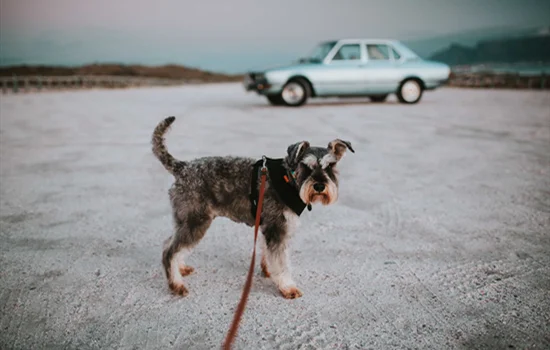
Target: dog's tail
159,149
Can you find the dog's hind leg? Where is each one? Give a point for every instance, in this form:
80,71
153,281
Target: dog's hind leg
263,264
190,228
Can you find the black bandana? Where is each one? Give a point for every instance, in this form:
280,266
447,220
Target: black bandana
281,181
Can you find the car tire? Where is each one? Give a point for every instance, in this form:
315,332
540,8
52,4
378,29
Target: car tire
410,91
295,93
275,100
378,98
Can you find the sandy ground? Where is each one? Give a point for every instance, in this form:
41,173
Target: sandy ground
440,238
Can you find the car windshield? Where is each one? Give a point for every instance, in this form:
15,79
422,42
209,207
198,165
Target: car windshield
320,52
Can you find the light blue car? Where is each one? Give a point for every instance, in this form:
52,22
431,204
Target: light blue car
351,68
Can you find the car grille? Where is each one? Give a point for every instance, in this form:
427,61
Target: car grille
256,76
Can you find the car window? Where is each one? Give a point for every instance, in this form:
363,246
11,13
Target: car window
396,54
348,52
321,51
378,52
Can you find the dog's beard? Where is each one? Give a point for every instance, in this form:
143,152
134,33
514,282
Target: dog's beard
310,196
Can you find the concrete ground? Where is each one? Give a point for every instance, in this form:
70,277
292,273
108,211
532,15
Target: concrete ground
440,238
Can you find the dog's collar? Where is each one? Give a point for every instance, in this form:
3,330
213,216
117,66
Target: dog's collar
292,180
282,181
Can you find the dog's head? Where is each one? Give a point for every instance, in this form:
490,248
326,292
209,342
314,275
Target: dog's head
315,170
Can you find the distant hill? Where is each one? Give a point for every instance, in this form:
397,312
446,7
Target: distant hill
175,72
532,49
427,47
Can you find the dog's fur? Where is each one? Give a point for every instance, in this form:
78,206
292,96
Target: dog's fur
208,187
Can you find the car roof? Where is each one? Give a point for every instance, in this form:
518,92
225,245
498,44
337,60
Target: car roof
402,48
368,40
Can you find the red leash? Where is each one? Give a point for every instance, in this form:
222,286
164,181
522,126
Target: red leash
246,290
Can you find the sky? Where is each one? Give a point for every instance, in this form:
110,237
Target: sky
235,35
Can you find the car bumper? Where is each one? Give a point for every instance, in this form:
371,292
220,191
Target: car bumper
258,84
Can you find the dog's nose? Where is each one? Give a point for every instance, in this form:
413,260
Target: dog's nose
318,187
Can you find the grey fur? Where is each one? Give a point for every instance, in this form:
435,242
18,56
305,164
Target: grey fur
208,187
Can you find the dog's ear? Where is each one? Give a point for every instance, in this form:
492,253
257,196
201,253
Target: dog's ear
338,148
296,151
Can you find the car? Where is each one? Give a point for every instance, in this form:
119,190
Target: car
374,68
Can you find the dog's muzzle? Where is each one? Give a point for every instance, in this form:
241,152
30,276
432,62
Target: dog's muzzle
319,187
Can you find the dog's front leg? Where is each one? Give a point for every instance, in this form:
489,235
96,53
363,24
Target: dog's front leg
278,262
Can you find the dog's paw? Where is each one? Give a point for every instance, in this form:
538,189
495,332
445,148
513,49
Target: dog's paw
265,272
178,289
186,270
291,293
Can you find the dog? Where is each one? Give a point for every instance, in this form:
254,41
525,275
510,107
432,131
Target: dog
210,187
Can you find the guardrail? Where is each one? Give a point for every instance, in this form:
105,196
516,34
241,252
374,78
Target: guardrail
493,80
18,84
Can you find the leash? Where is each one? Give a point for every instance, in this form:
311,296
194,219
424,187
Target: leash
230,338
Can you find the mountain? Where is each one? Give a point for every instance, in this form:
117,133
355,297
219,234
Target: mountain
529,49
171,71
427,47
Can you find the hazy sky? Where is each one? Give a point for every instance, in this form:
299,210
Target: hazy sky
232,35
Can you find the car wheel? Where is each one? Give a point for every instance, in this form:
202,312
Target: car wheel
275,100
378,98
295,93
410,91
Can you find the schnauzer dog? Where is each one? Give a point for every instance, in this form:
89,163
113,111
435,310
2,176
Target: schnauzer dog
208,187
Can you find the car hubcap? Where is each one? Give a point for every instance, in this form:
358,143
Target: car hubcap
410,91
293,93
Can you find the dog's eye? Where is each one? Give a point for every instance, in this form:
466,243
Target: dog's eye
304,169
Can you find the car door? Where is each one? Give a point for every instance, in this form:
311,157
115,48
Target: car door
381,69
341,73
